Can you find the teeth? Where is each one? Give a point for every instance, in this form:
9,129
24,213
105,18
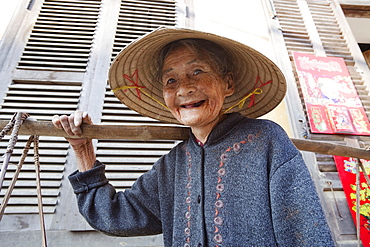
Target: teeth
194,105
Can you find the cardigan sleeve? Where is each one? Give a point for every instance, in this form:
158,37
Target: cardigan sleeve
298,218
130,213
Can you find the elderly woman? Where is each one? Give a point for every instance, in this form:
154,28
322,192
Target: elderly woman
237,181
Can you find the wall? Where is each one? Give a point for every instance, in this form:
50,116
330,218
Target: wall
6,13
360,29
244,21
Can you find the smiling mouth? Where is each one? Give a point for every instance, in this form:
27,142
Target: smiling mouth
192,105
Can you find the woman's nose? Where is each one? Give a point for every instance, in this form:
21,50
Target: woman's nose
186,87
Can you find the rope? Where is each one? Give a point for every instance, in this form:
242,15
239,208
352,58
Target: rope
358,225
7,127
38,185
15,176
330,183
18,120
360,165
16,123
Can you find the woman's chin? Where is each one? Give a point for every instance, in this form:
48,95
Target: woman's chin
190,120
196,121
196,117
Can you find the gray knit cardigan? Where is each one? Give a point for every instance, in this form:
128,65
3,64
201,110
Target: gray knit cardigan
247,186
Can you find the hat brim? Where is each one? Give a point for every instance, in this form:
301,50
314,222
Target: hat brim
133,75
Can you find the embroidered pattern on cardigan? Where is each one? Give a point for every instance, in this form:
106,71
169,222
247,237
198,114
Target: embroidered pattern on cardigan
220,189
188,200
218,220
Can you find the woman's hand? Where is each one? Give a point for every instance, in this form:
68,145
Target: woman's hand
72,126
83,147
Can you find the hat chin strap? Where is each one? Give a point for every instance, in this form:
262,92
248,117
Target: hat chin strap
242,101
240,104
141,90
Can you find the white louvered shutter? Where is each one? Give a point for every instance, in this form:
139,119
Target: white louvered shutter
127,160
62,66
47,80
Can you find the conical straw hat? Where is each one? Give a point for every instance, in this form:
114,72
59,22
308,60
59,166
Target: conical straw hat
259,84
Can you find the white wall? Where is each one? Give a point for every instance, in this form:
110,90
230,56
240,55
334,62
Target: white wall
242,20
360,28
7,10
354,2
246,22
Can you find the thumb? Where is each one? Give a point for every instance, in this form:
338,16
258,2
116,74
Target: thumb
86,118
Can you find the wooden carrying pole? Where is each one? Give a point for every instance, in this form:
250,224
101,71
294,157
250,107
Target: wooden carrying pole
146,133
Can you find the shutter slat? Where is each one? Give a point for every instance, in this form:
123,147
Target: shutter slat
66,95
28,210
32,192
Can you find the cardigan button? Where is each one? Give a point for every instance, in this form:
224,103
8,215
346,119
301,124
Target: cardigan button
199,199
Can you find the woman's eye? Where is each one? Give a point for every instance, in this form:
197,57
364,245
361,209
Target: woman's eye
198,71
170,81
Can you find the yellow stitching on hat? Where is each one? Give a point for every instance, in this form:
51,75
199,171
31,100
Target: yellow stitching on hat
242,101
141,90
124,88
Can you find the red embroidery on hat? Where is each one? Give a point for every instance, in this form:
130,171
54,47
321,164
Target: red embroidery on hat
259,84
134,79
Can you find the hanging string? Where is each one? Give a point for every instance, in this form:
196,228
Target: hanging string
358,225
330,183
364,170
38,188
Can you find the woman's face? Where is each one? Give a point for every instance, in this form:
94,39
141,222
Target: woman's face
192,90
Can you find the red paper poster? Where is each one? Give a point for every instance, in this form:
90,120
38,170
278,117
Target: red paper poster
320,121
347,173
359,119
331,99
340,119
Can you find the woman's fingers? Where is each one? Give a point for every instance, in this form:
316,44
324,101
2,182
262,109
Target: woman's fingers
65,122
75,121
56,121
72,124
86,118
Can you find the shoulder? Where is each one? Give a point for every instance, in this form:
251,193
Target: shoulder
174,154
262,125
270,133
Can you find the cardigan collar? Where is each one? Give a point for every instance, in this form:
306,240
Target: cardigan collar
222,129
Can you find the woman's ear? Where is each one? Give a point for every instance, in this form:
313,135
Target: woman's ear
230,84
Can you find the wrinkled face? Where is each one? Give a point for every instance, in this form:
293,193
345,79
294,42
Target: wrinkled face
192,90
